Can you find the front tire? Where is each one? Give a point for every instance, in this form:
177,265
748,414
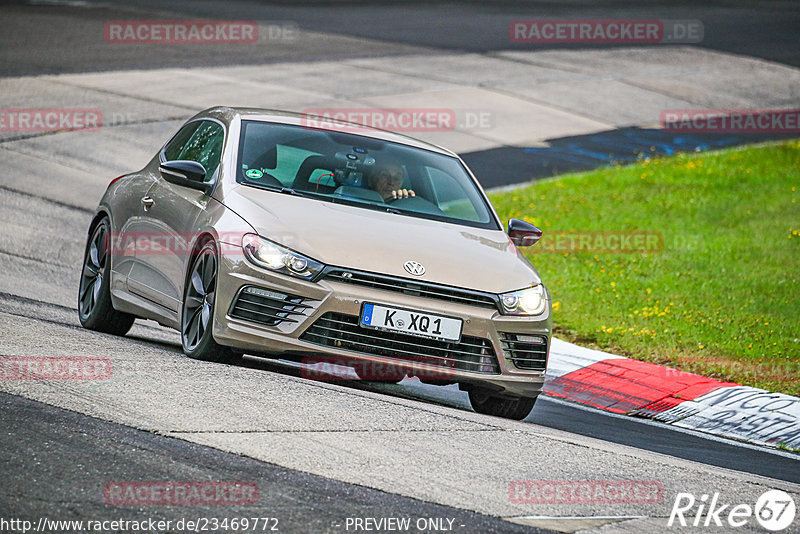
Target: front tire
197,311
501,406
95,310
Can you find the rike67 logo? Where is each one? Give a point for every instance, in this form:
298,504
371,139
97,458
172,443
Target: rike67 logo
774,510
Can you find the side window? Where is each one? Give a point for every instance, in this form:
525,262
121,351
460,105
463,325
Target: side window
173,150
450,196
204,146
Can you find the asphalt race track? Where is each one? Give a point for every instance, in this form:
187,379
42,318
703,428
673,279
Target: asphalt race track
319,452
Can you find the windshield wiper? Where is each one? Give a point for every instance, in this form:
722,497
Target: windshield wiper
294,192
290,191
313,194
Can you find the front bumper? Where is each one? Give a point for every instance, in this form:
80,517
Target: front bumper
496,366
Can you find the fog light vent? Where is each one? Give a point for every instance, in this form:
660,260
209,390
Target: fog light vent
525,351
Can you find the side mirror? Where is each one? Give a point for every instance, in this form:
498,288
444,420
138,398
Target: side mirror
523,234
185,173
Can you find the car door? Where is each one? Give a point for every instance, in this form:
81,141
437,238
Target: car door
170,217
127,223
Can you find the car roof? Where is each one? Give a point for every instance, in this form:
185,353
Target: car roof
227,114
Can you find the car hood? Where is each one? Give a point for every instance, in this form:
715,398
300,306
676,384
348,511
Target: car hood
375,241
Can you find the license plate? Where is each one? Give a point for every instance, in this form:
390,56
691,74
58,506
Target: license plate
411,322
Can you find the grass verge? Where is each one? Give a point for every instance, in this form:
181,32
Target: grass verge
719,295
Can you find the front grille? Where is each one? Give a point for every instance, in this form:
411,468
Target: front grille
266,306
412,287
525,351
342,331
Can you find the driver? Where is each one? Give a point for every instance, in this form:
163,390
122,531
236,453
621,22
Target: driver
386,179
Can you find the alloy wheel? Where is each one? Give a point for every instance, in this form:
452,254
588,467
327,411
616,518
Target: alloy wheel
198,306
94,265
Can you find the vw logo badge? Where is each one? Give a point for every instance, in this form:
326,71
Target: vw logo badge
414,267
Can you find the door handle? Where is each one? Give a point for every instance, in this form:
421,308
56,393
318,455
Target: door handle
147,202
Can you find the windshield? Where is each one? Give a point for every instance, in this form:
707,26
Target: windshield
360,171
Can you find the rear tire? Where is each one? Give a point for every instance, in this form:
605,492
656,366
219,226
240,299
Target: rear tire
501,406
197,311
95,310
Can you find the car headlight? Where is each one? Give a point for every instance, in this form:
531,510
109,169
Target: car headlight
274,257
531,301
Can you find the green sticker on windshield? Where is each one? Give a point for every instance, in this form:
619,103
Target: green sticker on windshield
254,173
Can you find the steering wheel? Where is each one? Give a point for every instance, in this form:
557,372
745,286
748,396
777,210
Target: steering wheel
392,200
417,204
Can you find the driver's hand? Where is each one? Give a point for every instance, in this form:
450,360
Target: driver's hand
403,193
